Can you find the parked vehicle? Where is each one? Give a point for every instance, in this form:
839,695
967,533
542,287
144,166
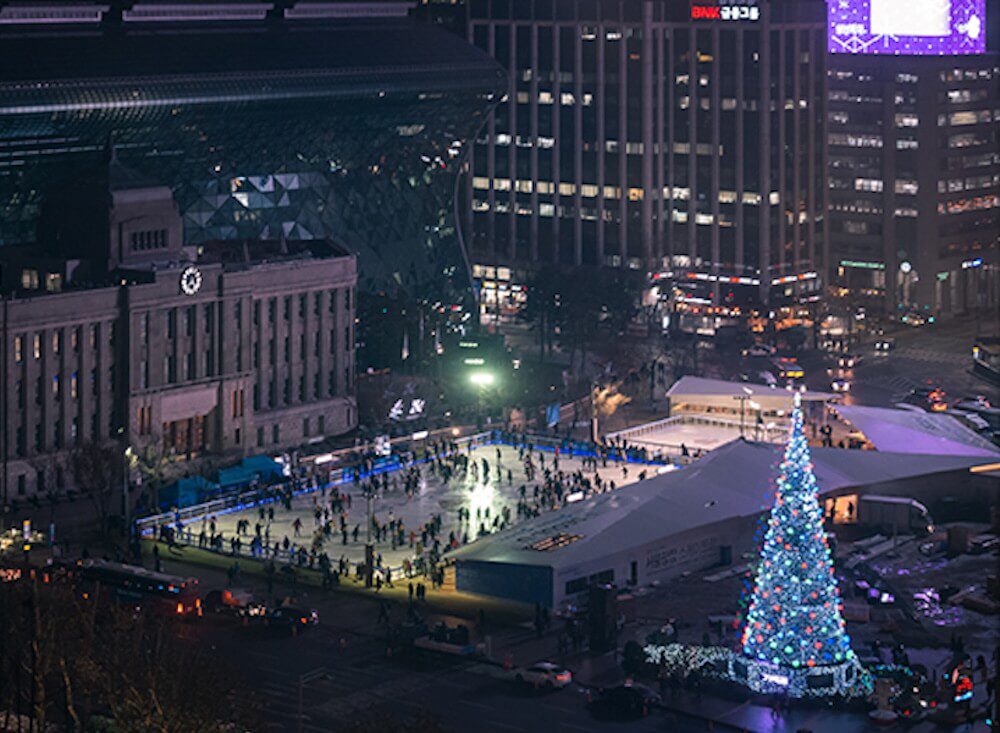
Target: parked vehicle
286,617
768,379
841,385
759,350
544,674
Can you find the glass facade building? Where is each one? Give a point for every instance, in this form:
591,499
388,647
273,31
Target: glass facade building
914,146
681,137
277,125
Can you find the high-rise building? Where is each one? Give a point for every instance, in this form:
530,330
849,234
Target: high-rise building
296,119
914,155
683,137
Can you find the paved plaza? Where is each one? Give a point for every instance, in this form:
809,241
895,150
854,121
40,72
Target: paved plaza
482,499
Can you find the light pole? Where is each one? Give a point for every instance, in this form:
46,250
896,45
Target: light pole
369,545
126,509
743,400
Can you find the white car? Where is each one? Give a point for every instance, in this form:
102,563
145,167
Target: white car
759,350
544,674
840,385
768,379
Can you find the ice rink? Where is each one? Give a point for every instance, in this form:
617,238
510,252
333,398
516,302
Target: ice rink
433,497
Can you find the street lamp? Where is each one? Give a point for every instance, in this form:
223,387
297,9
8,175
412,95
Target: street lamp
481,380
127,459
743,399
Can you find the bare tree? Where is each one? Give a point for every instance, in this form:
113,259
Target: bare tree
97,471
74,664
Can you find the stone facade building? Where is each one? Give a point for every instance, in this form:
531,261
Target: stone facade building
114,330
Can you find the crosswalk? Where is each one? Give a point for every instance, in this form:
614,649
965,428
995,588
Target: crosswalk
957,356
343,692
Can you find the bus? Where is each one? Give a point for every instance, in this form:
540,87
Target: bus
135,585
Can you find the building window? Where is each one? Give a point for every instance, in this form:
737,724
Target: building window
148,240
260,437
37,346
305,427
55,386
276,433
18,349
321,426
29,279
73,386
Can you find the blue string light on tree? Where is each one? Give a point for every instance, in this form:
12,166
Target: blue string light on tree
795,640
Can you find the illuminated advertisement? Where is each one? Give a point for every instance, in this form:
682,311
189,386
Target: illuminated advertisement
907,27
725,10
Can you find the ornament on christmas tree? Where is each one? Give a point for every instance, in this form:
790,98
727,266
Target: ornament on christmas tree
794,639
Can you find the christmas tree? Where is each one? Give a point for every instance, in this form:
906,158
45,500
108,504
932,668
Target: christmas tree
794,638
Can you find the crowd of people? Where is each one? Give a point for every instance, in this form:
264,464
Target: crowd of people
335,520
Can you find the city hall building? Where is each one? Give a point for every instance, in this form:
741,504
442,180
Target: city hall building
114,330
682,138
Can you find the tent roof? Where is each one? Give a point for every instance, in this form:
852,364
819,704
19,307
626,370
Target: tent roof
903,431
735,480
702,387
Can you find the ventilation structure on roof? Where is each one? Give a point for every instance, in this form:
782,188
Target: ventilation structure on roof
311,10
180,12
556,542
51,14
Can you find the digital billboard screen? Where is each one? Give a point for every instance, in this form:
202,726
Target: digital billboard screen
907,27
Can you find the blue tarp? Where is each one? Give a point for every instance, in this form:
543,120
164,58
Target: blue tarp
186,491
261,468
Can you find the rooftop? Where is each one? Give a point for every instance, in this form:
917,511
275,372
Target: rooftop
703,493
703,387
376,46
905,431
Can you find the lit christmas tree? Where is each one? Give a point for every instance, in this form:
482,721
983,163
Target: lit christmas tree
794,640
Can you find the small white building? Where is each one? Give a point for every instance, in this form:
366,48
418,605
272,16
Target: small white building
704,414
698,517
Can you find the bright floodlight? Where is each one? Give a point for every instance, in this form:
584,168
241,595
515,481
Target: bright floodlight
482,379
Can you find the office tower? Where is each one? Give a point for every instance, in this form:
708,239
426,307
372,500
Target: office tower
683,138
914,154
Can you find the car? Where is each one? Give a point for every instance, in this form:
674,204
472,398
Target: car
625,702
849,361
974,421
544,674
929,398
289,617
975,402
840,385
228,600
883,345
768,379
759,350
915,318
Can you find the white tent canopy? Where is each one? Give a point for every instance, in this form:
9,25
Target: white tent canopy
903,431
701,392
